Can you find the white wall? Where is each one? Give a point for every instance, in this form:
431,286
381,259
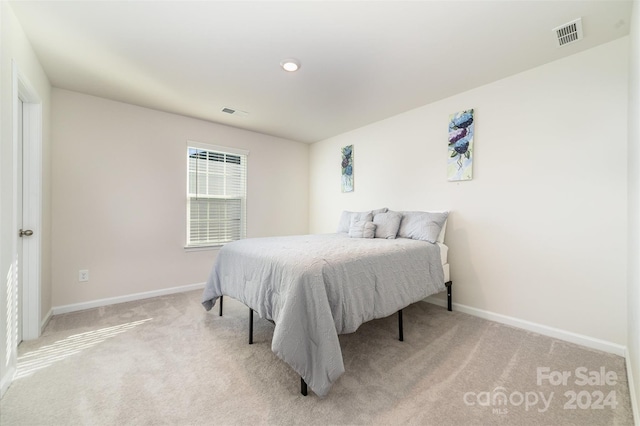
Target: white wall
119,207
633,298
540,233
15,47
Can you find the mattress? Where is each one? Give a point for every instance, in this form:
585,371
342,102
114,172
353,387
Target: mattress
444,252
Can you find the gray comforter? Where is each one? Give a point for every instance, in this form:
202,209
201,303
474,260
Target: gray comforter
314,287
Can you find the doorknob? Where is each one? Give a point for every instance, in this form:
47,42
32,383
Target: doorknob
26,233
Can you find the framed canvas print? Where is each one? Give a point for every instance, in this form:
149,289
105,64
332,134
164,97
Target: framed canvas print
460,153
347,169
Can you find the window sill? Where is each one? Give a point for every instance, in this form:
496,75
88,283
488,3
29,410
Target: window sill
203,248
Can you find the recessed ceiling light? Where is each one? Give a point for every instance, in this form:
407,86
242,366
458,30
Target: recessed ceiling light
290,65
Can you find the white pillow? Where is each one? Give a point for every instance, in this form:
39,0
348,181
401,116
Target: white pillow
387,224
362,229
346,219
425,226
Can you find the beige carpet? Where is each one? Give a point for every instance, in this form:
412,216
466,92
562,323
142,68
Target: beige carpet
167,361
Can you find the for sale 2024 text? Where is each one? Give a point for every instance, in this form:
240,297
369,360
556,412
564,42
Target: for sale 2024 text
584,399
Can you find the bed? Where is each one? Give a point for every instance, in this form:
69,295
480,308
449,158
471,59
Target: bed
315,287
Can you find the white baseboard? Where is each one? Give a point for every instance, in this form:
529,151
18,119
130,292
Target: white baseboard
57,310
632,389
579,339
6,380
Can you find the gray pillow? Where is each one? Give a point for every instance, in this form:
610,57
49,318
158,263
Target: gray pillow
357,217
387,224
378,211
425,226
346,216
362,229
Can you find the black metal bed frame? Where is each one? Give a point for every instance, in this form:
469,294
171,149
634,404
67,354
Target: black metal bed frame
303,384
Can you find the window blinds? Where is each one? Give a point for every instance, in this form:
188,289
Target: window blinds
217,190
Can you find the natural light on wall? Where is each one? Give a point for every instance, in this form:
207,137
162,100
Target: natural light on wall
12,311
38,359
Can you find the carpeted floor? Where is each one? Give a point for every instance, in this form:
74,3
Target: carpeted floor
167,361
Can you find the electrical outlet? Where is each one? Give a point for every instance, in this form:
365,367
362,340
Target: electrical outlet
83,275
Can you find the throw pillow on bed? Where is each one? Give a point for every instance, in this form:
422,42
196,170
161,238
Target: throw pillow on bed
362,229
387,224
378,211
425,226
360,218
347,218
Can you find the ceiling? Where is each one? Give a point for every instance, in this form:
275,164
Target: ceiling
362,61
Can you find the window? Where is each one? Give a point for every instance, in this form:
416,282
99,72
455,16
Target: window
216,194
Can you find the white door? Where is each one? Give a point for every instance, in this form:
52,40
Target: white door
23,233
20,219
28,220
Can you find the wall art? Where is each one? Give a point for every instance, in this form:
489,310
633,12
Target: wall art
460,160
347,169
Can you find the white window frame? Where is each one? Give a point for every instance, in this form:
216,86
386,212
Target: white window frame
244,154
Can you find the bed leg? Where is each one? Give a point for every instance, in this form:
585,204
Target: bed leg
303,387
221,297
448,284
250,326
400,330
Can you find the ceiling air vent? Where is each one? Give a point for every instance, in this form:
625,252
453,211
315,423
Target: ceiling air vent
569,32
236,112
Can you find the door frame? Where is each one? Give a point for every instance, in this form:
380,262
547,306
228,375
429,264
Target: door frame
31,255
